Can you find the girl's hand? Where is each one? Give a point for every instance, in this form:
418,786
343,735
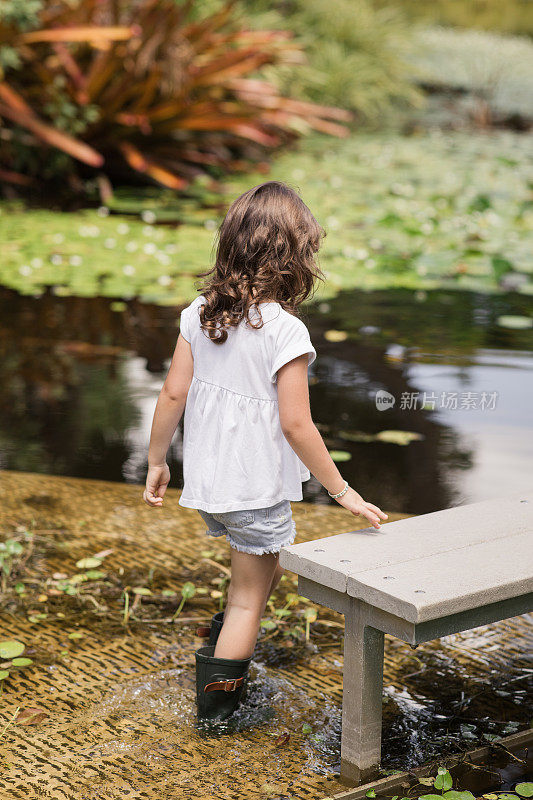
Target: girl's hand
355,503
157,481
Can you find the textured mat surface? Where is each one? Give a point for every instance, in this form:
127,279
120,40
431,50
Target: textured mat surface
119,716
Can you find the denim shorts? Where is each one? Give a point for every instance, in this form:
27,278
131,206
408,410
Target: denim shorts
257,531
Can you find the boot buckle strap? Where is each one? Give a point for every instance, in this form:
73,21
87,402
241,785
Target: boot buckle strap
229,685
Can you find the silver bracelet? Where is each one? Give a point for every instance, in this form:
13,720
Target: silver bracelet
340,494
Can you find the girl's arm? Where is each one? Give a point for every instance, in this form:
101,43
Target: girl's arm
306,441
168,412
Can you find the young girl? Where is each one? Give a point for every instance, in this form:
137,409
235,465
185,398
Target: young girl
239,376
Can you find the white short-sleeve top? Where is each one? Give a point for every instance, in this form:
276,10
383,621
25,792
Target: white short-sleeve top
235,456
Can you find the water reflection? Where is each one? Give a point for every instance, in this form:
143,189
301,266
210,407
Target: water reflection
81,377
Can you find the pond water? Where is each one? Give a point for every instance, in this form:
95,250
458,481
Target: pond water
454,424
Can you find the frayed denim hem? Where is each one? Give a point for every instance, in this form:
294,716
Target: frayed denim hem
258,551
216,533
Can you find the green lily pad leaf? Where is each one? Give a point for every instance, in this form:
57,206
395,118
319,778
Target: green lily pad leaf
22,662
11,648
268,624
188,590
443,781
515,322
142,590
13,547
458,795
335,336
4,673
37,617
524,789
88,563
306,729
398,437
20,588
95,574
169,593
76,635
371,793
340,455
430,797
426,781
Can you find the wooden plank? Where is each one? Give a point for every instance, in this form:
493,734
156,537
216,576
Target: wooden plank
368,564
451,582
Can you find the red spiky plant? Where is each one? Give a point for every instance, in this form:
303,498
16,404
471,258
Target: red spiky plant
148,89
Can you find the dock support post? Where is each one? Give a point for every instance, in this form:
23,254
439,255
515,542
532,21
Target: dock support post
362,697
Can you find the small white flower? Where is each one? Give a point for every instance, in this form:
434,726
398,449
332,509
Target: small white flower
210,224
25,270
298,174
58,238
324,308
148,216
103,211
361,253
148,231
128,269
123,228
36,263
426,227
333,223
149,248
110,243
164,280
56,259
170,248
75,261
162,258
131,247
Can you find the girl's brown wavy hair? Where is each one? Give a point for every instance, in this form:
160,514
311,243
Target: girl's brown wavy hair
265,252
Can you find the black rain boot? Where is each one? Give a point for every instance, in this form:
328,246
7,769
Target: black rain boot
214,630
219,683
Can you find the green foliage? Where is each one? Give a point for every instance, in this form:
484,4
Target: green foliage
496,69
504,16
356,54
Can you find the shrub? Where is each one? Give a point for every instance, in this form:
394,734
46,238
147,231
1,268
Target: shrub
142,87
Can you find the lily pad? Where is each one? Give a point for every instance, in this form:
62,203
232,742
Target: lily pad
398,437
88,563
4,673
335,336
22,662
515,322
11,648
340,455
524,789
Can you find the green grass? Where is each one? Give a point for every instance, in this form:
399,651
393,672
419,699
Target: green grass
425,211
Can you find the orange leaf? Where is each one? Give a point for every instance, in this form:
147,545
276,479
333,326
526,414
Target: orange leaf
53,137
86,33
141,163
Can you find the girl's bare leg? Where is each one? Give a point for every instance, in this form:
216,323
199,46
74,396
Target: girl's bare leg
252,579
